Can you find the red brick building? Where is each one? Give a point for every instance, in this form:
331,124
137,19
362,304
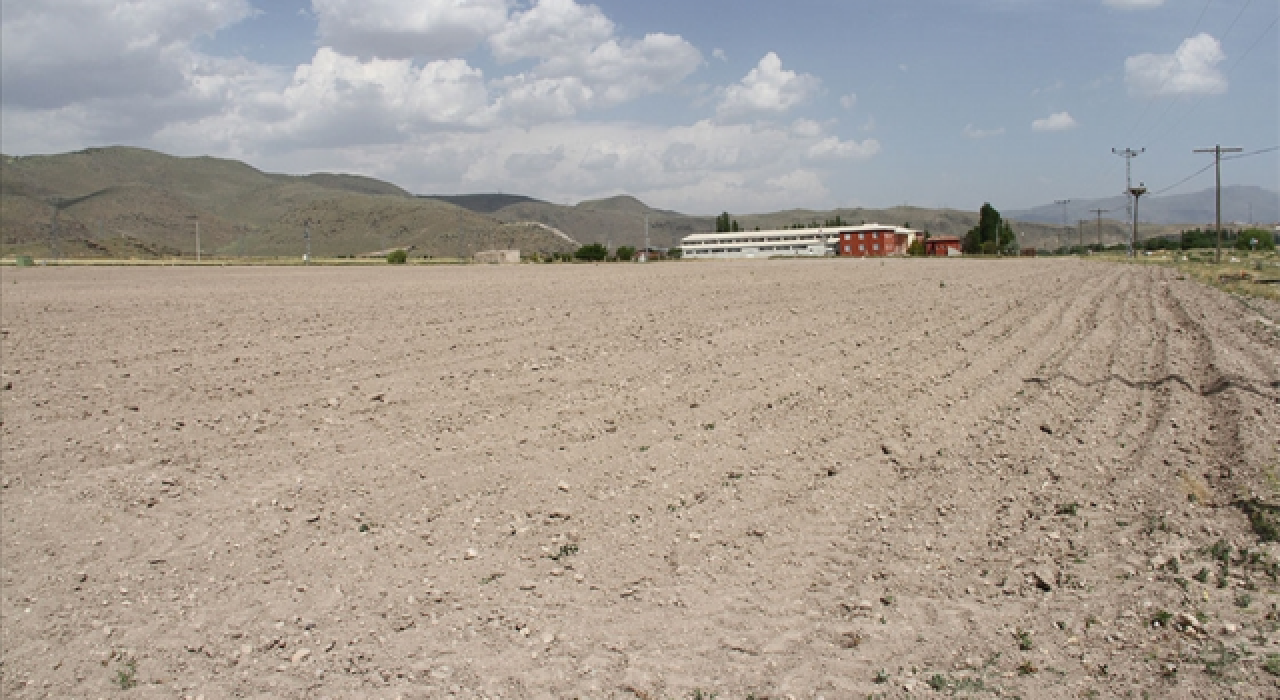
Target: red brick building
872,241
942,245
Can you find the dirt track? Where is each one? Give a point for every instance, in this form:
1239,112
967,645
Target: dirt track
771,478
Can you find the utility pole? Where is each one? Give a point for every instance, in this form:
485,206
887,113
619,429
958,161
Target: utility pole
306,236
1080,224
1128,154
1064,203
646,238
197,220
1133,237
1217,152
1099,213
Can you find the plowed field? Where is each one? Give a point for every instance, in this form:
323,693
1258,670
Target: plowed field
782,479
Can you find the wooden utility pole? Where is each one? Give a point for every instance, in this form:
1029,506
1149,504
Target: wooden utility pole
1217,152
1099,213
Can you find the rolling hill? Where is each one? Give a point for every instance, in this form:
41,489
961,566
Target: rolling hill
137,203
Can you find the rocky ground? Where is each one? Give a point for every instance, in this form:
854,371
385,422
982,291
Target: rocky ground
770,479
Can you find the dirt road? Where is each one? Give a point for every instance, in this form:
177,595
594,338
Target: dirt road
773,479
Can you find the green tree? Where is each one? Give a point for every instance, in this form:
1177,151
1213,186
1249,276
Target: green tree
723,223
992,232
735,228
625,253
397,257
1265,240
675,253
594,252
916,249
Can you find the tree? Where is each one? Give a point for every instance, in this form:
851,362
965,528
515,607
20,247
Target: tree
991,232
397,257
724,223
625,253
735,226
916,249
594,252
675,253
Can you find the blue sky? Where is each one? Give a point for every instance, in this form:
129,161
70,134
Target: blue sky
698,106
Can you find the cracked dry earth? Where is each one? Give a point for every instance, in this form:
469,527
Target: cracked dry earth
783,479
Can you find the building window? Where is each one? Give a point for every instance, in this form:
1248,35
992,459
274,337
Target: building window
862,246
861,236
875,246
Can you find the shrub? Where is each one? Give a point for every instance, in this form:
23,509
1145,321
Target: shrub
916,249
594,252
625,253
397,257
1265,240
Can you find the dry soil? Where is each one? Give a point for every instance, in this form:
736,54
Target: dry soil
773,479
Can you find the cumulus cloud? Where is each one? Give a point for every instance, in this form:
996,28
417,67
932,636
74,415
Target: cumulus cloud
832,148
849,101
581,63
1190,70
49,57
974,133
1058,121
406,28
1133,4
532,164
768,88
719,54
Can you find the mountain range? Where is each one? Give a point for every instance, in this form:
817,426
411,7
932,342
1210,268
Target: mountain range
129,202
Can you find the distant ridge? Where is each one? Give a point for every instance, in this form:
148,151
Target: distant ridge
1192,208
482,203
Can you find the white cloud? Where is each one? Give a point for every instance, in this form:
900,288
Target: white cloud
719,53
1191,70
406,28
849,101
1133,4
832,148
56,54
1058,121
581,64
1054,87
975,133
768,88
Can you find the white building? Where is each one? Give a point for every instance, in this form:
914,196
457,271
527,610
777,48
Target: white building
865,240
759,244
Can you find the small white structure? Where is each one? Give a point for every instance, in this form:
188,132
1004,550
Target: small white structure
498,257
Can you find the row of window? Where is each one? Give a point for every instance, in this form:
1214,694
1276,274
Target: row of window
862,236
709,251
862,247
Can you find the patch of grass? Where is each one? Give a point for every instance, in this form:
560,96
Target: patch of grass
1263,517
938,682
491,577
1027,668
1220,551
708,426
1272,664
364,527
1068,508
127,677
1171,565
1161,618
882,676
1025,643
1202,575
1182,582
566,550
699,694
1244,600
1219,668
